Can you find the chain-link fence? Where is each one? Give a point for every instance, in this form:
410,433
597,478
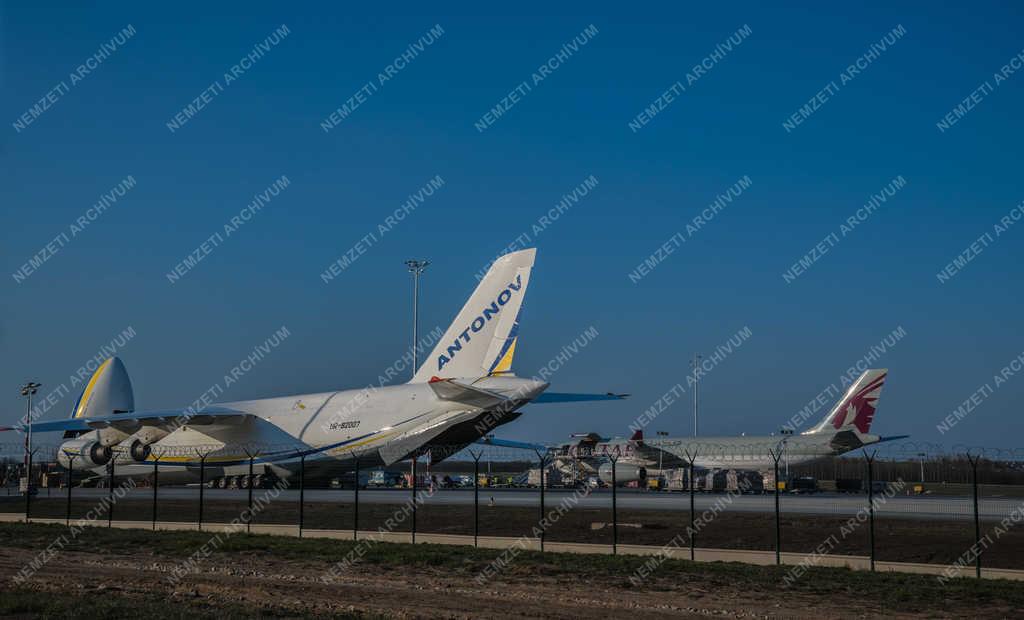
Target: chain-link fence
897,502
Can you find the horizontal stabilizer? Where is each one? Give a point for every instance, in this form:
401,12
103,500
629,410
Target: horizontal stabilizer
449,389
557,397
589,437
505,443
892,438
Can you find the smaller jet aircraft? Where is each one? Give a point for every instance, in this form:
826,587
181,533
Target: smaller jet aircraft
843,429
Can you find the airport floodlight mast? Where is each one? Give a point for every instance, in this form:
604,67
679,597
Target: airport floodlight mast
695,364
29,390
786,434
416,268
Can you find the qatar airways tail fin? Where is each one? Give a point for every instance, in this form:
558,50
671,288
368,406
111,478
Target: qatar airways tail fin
856,409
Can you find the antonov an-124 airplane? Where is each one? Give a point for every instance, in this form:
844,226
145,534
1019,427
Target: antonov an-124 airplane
463,390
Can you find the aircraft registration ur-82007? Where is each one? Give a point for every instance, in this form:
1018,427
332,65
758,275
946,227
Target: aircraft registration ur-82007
462,391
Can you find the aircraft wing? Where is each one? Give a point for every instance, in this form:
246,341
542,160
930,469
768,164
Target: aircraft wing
131,422
407,443
651,453
563,397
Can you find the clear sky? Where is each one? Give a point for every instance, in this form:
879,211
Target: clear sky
455,107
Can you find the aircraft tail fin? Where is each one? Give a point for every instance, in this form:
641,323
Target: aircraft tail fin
856,409
482,339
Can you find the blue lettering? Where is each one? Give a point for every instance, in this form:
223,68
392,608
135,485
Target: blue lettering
457,346
479,322
491,310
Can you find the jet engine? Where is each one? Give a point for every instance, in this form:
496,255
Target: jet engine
86,452
138,451
624,472
138,444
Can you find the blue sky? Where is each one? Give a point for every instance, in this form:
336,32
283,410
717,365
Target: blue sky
420,123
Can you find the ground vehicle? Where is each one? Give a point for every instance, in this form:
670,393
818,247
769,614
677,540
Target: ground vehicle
849,485
381,478
803,484
879,486
23,487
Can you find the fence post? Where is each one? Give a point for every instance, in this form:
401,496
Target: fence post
355,513
541,522
302,493
476,496
71,467
870,460
110,490
693,530
202,485
28,485
778,528
252,460
615,507
156,475
414,499
977,526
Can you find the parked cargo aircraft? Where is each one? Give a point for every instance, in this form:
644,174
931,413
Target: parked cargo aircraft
463,390
845,428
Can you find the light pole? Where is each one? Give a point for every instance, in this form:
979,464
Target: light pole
416,268
489,480
695,364
786,434
28,390
921,456
661,471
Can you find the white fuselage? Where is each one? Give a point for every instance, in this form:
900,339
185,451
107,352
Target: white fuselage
749,453
331,429
755,453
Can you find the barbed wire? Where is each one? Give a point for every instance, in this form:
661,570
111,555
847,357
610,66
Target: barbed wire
704,450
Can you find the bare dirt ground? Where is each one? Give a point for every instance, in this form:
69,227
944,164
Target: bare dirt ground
261,584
